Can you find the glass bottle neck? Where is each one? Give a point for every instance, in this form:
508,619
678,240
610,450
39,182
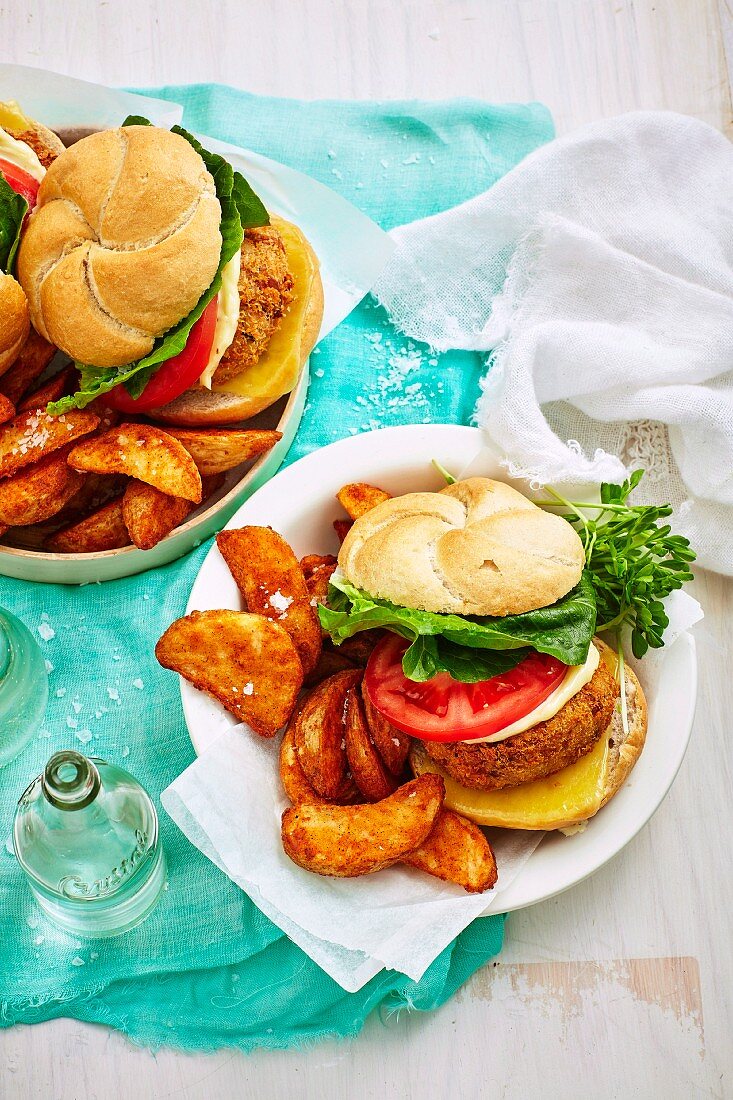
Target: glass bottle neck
70,781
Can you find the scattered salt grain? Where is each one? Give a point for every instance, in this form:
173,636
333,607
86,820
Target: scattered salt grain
60,692
146,596
319,373
84,736
9,847
49,666
93,955
77,961
331,154
248,688
384,163
413,159
280,602
72,723
113,694
38,940
116,657
138,684
335,172
125,750
46,632
32,920
77,707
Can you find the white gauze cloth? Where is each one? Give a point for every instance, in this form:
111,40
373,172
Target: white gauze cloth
599,273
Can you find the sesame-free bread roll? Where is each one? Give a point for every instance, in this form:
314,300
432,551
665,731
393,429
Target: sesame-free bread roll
124,241
478,547
14,322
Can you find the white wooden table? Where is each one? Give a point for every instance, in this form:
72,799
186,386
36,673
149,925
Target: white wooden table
621,987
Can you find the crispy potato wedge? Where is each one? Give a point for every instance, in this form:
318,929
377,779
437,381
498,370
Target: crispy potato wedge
342,528
146,453
392,744
359,647
52,390
329,663
294,780
102,530
271,581
216,450
365,763
39,491
319,735
32,435
245,661
7,409
150,515
317,570
347,841
457,851
34,357
359,498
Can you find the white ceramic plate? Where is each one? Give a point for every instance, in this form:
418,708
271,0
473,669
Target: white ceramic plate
299,503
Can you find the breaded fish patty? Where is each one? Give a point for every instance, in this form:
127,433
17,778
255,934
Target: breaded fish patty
265,292
543,750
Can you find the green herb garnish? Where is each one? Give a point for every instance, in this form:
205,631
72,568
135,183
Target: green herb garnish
13,208
632,560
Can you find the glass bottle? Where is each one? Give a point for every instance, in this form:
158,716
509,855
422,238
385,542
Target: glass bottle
23,687
86,836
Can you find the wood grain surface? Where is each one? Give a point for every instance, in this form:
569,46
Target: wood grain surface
622,986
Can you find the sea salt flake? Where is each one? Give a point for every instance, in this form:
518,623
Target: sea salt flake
72,723
84,736
49,666
138,684
60,692
319,373
248,688
280,602
38,940
77,961
114,695
77,707
125,750
46,632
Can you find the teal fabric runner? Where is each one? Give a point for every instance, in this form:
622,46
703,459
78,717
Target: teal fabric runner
207,969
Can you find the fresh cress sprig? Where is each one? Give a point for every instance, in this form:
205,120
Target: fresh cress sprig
634,562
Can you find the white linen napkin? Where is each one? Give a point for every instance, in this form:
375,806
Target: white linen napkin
229,803
599,272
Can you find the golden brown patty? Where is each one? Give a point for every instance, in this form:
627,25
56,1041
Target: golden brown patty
40,147
265,292
546,748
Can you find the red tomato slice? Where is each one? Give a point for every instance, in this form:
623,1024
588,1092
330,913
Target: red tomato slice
22,182
176,374
444,709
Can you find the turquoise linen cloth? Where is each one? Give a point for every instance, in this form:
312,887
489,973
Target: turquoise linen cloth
208,969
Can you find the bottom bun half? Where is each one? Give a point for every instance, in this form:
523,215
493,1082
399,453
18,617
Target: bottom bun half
568,797
278,369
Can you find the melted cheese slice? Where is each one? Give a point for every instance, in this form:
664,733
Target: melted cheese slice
17,152
277,370
575,678
569,796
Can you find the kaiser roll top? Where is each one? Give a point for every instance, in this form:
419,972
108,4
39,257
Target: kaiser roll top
476,548
124,241
14,322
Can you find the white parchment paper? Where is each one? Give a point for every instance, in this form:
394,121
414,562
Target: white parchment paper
229,803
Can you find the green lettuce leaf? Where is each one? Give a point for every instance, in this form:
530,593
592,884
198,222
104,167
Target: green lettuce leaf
470,649
240,209
13,208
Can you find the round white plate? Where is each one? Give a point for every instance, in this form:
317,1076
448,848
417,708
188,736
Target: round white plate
300,503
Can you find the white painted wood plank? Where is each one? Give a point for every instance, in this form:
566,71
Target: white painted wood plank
622,986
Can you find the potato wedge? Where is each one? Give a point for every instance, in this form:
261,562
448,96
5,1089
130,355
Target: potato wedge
34,357
102,530
365,763
347,841
150,515
359,647
245,661
52,390
143,452
329,663
392,744
271,581
7,409
359,498
39,491
319,735
457,851
217,450
294,780
342,528
32,435
317,570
